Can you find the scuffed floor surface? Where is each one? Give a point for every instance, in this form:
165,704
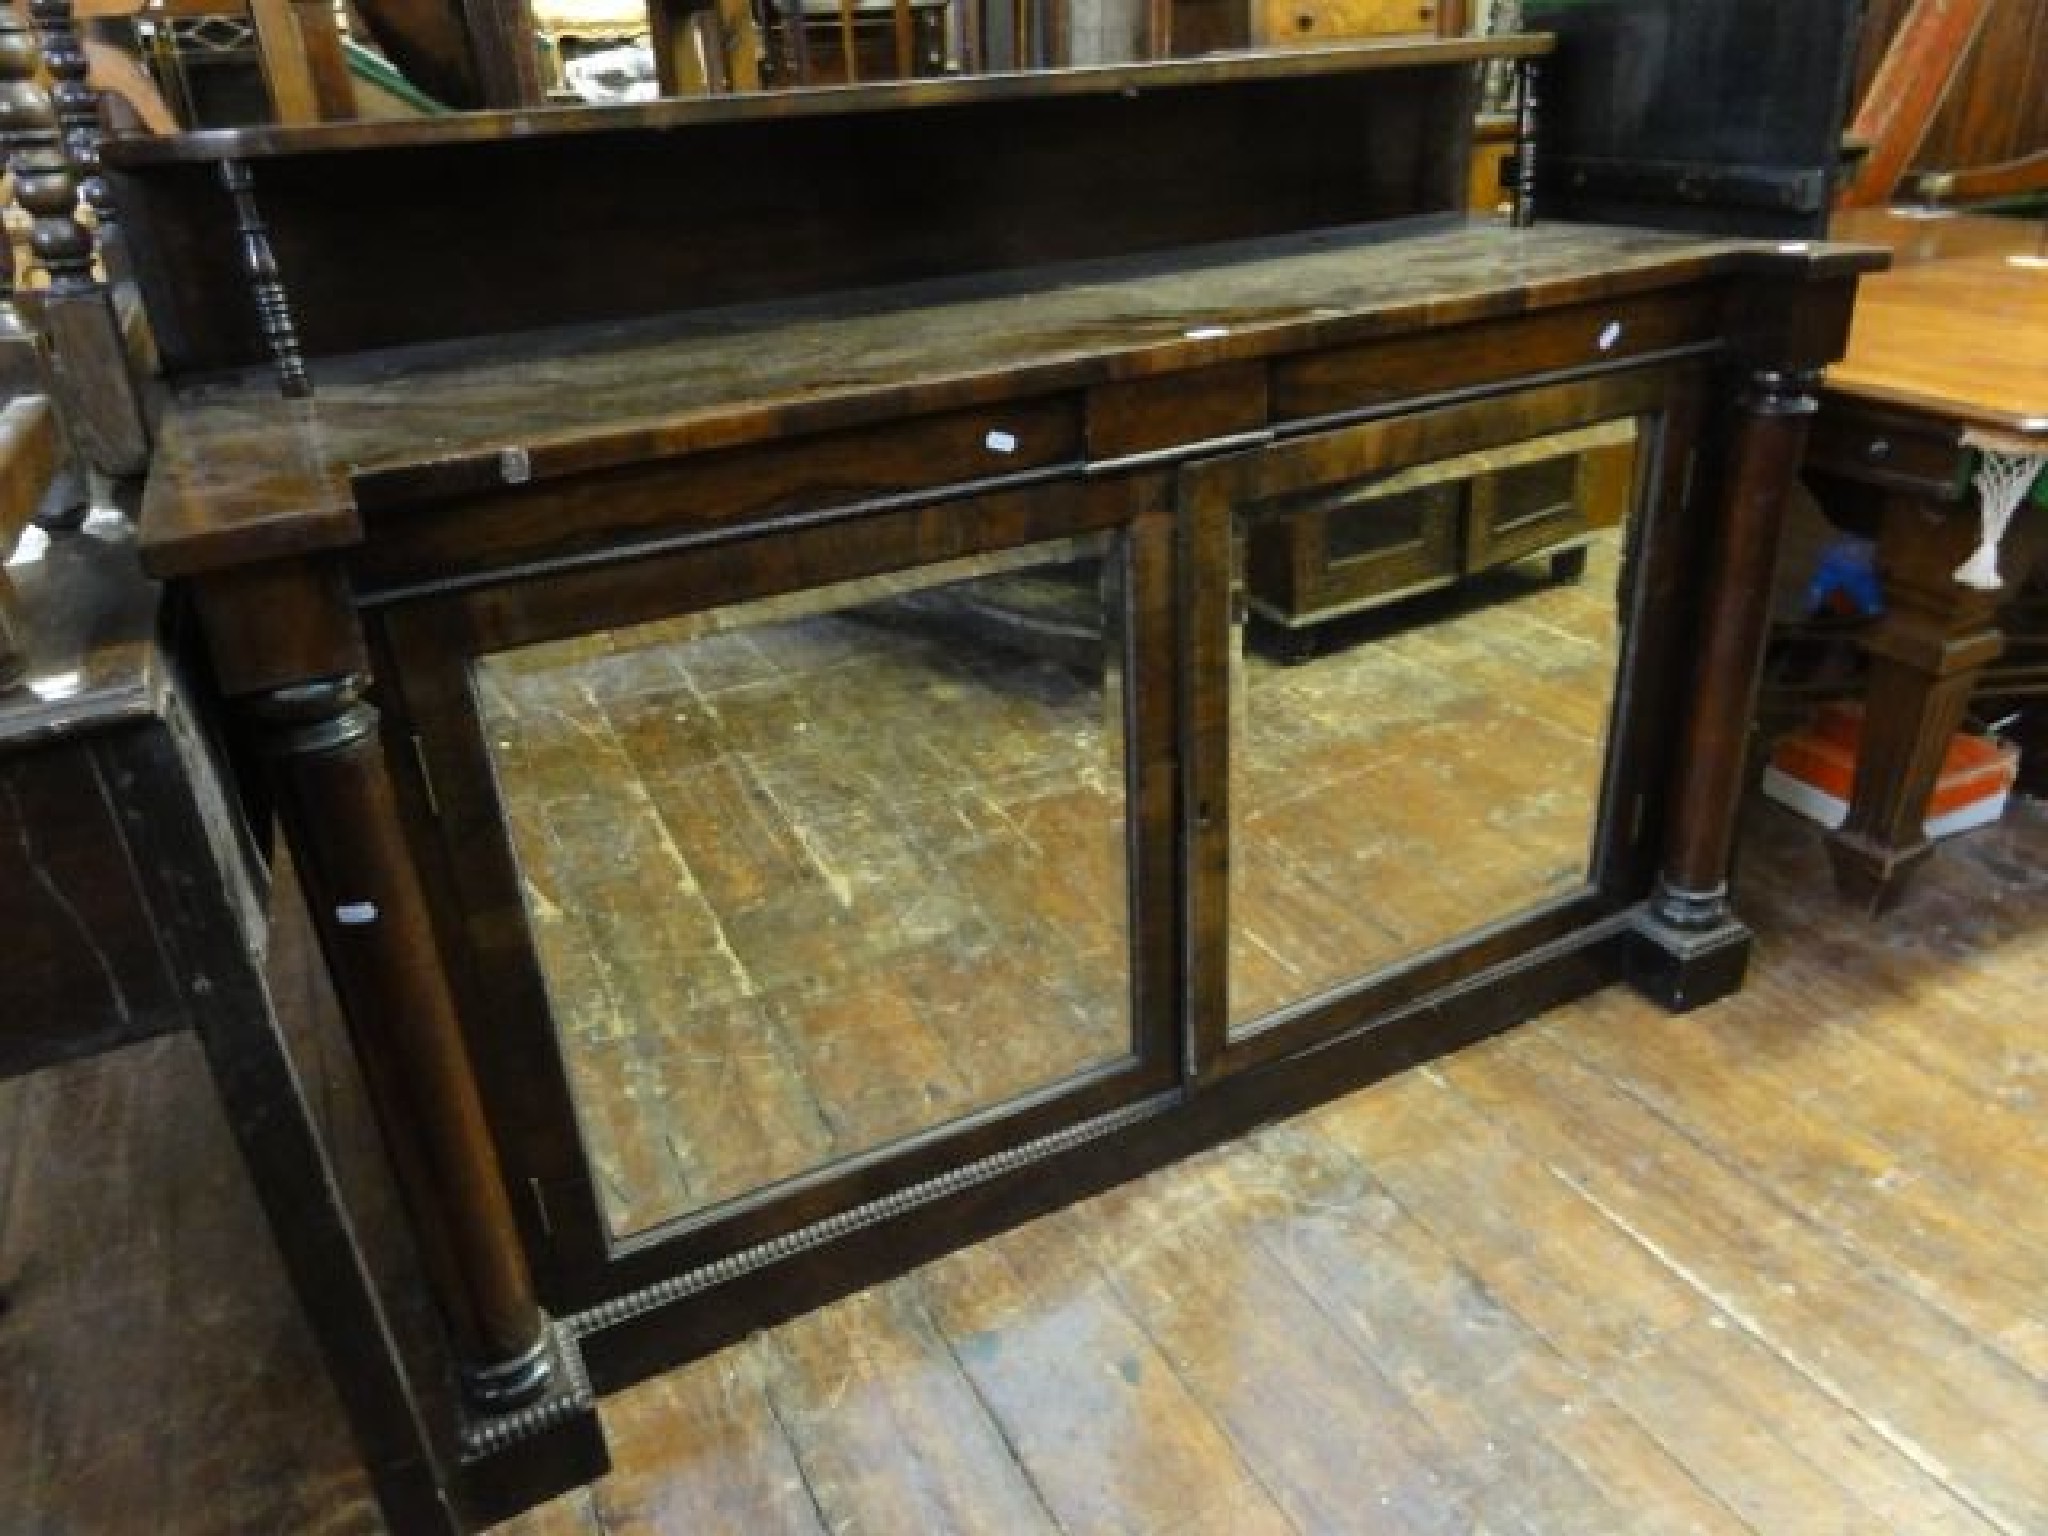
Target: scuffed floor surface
1777,1267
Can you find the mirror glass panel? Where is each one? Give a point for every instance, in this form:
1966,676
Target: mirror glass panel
811,874
1424,671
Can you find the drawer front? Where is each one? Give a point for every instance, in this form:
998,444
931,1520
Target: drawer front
1337,21
1490,352
1891,450
1130,417
613,510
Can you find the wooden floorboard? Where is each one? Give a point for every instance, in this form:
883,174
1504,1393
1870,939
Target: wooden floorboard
154,1376
1776,1267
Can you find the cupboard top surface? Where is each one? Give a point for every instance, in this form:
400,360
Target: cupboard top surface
243,474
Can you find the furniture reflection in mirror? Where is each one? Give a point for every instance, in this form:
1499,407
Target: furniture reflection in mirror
815,873
1358,775
1355,547
751,868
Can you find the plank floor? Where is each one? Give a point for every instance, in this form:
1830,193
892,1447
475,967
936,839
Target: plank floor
1779,1267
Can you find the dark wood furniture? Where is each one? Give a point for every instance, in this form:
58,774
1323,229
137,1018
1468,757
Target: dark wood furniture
134,905
1722,115
1954,339
1436,527
430,495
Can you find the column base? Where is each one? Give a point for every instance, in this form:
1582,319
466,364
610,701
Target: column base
514,1460
1686,967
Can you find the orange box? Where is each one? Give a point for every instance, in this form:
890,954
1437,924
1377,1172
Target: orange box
1814,770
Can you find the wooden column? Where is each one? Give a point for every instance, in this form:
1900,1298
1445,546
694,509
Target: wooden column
341,815
287,646
1697,950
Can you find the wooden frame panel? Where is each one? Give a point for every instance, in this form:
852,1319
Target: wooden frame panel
1618,853
426,648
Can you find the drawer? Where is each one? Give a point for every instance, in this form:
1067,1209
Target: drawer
1128,417
1441,362
1888,449
719,489
1338,21
1524,509
1351,553
1310,558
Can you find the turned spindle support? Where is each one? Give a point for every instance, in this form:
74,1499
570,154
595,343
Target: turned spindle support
266,282
1528,102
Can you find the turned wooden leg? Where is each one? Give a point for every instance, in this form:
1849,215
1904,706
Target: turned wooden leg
1934,642
339,812
529,1428
1696,951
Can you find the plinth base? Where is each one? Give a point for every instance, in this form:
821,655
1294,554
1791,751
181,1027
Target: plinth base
1684,968
512,1461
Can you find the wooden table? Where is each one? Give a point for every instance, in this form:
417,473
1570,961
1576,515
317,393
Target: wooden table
1953,339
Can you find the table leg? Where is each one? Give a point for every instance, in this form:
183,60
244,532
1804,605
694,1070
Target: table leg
1936,637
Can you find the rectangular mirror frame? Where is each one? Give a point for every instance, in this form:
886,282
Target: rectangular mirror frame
468,859
1619,858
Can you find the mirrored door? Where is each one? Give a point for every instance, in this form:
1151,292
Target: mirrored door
1422,625
783,903
810,875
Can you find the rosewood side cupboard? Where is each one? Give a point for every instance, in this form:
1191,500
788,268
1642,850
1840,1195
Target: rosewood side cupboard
753,610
